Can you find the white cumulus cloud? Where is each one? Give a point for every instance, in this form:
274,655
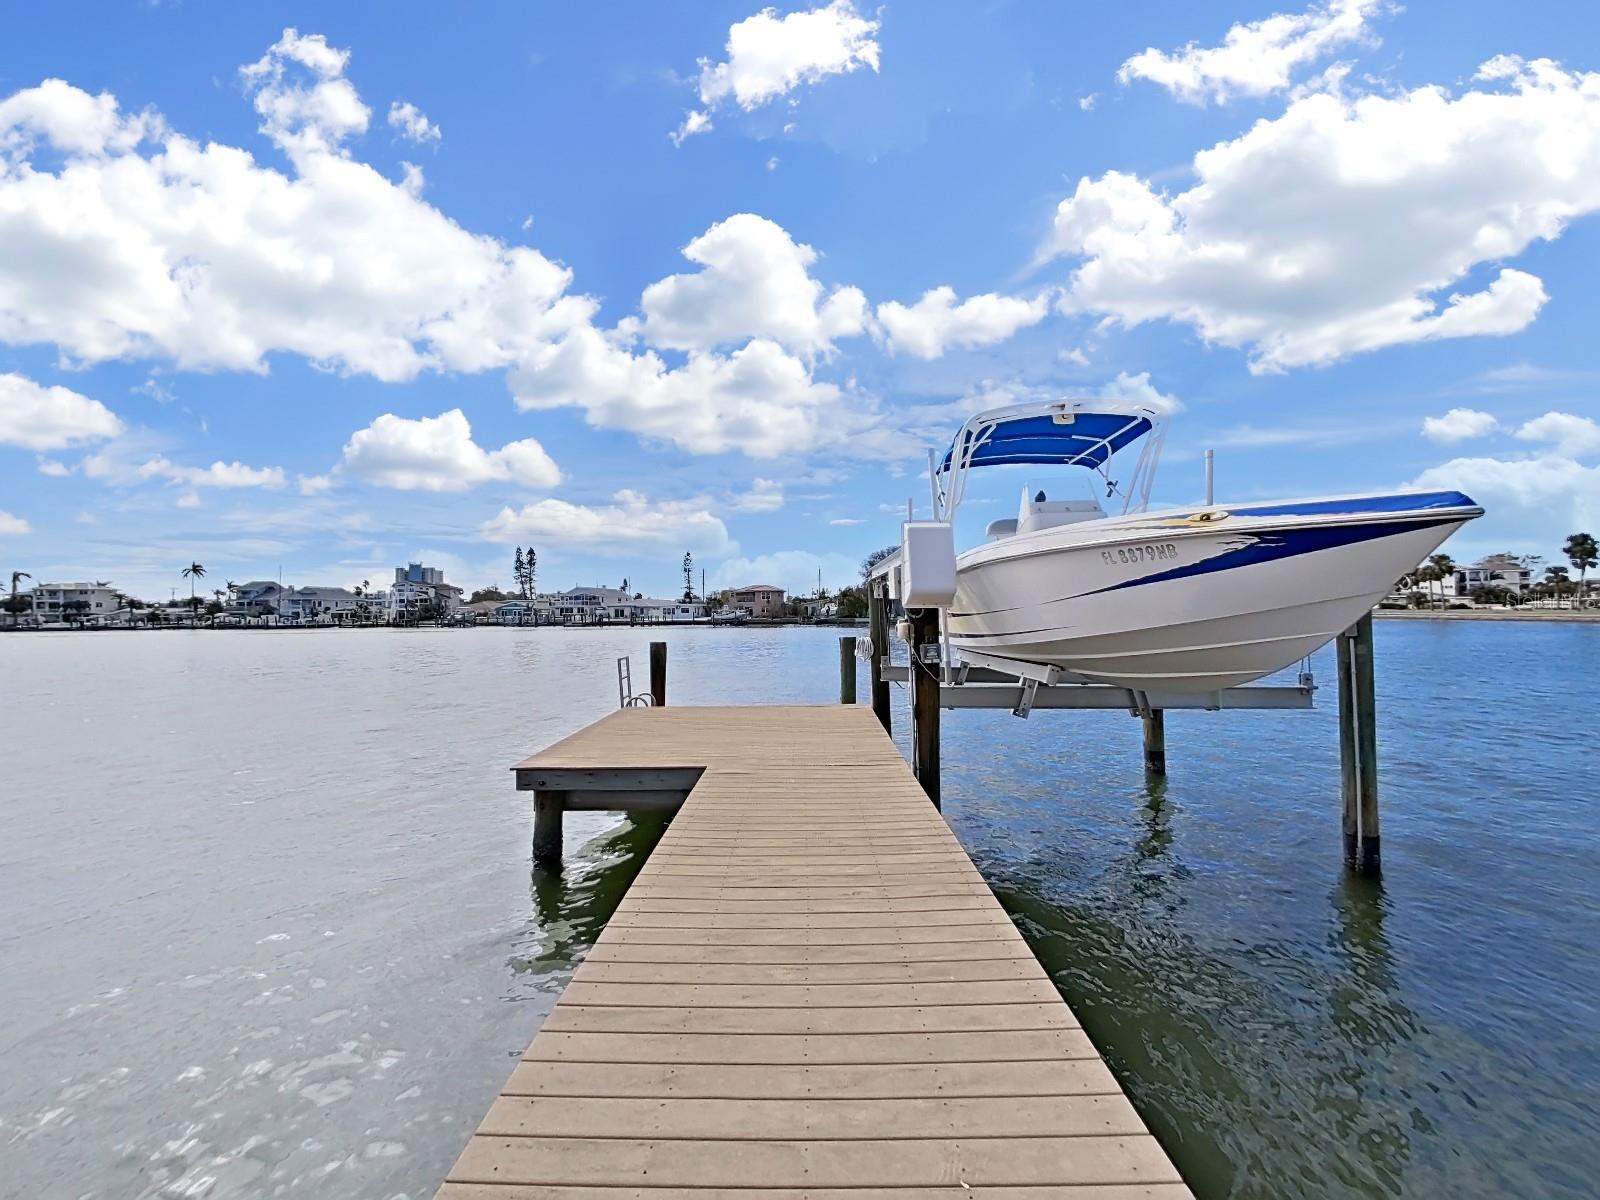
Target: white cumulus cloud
143,243
755,281
764,495
113,467
1458,425
760,400
12,525
437,454
1337,228
409,121
631,523
309,111
770,56
1138,389
1256,57
1569,433
938,321
1530,503
37,417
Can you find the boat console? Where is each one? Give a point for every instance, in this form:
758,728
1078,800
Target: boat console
1038,513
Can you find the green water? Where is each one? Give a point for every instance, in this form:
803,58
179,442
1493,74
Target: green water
286,939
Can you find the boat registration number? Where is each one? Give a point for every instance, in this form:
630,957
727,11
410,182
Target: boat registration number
1149,552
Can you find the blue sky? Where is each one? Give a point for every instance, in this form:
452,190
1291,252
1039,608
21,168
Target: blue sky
336,287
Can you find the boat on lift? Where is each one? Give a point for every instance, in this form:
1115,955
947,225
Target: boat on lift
1189,599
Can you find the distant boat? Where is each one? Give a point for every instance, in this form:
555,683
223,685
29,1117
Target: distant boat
729,616
1189,599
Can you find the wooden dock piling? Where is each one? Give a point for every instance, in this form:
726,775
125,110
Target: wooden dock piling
847,670
1358,747
547,832
878,634
925,681
808,991
1155,742
658,674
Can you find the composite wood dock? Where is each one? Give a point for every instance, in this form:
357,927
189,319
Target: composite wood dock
809,991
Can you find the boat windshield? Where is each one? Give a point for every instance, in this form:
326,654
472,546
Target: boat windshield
1074,433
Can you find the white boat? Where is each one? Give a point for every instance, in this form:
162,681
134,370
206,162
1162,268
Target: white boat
1183,600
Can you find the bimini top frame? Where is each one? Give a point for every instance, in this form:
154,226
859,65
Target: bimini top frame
1068,432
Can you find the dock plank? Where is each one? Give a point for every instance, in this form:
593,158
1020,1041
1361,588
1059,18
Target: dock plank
808,992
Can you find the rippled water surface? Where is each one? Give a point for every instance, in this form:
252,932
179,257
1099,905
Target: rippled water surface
267,923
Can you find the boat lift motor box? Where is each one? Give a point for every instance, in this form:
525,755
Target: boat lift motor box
928,560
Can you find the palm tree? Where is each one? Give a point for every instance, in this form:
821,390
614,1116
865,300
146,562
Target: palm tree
1555,581
1446,568
193,572
1582,552
1425,576
11,604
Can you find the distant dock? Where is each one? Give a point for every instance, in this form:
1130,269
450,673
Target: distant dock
809,991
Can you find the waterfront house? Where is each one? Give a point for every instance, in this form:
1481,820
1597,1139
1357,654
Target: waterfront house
417,590
758,600
88,603
595,605
319,605
258,598
516,611
1496,571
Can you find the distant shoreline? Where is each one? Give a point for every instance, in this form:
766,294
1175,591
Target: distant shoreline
1487,614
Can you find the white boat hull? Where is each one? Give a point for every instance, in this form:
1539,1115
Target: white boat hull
1193,601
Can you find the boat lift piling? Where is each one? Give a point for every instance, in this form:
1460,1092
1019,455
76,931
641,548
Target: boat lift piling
847,670
1358,747
1155,741
926,686
982,681
878,640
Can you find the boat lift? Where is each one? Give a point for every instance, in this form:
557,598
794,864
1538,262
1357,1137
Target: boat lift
938,678
984,681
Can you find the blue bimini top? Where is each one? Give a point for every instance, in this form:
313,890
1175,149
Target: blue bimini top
1085,439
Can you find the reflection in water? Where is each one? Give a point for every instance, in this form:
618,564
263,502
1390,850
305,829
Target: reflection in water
572,903
1264,1069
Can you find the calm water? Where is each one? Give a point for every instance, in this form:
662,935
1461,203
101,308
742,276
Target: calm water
267,925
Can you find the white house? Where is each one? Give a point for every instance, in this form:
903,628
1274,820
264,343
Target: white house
91,603
417,589
592,605
319,604
1496,571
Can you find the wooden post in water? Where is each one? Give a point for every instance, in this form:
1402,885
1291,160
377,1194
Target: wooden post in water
658,674
847,670
878,634
1344,652
1367,742
547,810
925,702
1155,742
1358,748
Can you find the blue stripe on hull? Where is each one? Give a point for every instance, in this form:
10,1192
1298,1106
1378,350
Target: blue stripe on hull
1270,547
1399,502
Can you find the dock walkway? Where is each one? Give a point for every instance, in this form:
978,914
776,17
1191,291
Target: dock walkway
809,991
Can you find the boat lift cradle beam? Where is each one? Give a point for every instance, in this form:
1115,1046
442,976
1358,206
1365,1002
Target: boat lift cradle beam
986,687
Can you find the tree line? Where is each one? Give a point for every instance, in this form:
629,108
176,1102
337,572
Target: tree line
1425,585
